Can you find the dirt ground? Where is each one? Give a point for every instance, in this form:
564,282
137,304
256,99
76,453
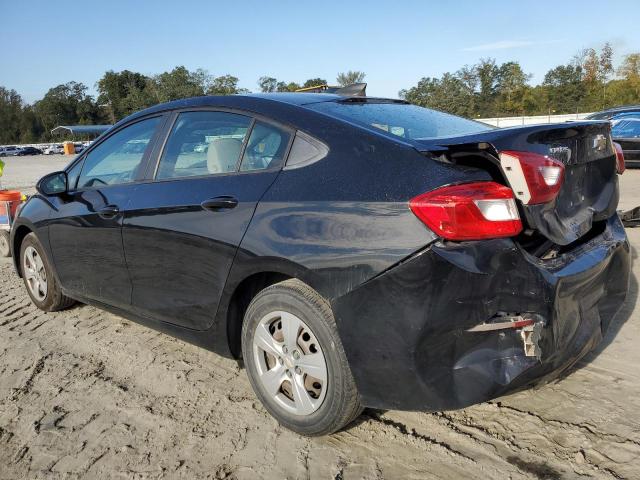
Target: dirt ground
87,394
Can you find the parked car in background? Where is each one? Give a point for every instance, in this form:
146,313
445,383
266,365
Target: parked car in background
353,251
625,130
9,151
611,112
54,149
78,147
29,151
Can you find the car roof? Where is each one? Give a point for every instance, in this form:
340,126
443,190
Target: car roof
296,98
250,101
291,98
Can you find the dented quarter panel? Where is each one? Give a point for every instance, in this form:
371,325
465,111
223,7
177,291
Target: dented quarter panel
407,329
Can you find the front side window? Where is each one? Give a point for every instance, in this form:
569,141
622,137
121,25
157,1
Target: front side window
203,143
73,174
117,160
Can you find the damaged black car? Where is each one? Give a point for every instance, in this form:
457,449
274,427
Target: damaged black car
353,251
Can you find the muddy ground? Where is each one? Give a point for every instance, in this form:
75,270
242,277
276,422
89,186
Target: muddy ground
87,394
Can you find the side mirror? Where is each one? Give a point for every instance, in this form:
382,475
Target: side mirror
53,184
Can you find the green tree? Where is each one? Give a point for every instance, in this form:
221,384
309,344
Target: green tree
564,88
179,83
31,129
10,115
268,84
449,94
122,93
287,87
488,77
512,87
350,77
314,82
224,85
630,73
67,104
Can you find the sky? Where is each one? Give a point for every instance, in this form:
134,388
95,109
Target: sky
46,43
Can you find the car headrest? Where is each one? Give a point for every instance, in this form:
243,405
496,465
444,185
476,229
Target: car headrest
223,154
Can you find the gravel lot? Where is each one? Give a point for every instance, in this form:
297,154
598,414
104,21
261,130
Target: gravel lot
87,394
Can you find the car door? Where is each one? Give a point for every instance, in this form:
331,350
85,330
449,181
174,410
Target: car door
85,229
181,230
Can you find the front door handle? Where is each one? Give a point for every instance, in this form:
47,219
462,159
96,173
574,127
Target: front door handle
224,202
109,211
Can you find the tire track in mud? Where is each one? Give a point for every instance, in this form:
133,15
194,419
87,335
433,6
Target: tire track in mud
84,393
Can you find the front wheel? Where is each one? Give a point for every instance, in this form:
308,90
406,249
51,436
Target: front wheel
295,360
37,273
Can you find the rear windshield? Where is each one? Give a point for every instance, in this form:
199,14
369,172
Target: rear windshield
401,119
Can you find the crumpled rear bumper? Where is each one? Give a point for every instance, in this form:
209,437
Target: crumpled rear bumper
405,331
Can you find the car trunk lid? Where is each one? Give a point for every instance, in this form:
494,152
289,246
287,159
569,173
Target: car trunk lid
589,189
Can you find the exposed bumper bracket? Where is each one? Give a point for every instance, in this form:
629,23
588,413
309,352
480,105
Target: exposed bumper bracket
530,337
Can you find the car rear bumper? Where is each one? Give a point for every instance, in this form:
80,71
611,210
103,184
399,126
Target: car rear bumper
406,331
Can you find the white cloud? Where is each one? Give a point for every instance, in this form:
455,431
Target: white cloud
502,45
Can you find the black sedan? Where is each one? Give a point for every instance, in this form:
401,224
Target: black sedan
24,151
353,251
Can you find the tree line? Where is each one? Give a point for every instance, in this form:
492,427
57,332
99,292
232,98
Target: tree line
589,81
120,94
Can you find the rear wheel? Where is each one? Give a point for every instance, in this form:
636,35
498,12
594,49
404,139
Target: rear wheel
39,278
5,250
295,360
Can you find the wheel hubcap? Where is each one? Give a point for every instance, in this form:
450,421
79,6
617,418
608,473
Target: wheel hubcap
34,273
290,363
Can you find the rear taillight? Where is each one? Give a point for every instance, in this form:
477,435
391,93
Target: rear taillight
620,166
469,211
534,178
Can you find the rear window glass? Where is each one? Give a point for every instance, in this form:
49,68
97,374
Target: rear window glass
400,119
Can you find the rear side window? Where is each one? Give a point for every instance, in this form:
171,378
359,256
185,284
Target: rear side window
266,148
400,119
203,143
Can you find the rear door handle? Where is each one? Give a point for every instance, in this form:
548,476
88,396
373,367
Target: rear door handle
109,211
223,202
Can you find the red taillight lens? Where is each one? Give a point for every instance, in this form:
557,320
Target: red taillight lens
535,178
470,211
620,166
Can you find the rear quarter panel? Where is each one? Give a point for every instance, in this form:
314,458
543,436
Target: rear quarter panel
345,219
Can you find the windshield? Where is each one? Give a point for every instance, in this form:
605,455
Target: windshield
626,127
400,119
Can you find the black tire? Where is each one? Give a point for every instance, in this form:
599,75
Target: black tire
54,299
341,404
5,249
